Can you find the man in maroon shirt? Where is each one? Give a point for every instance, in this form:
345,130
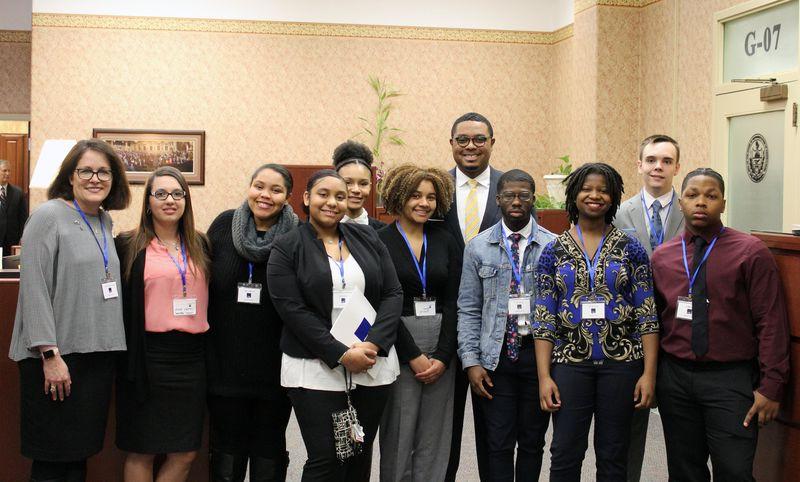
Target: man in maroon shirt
724,340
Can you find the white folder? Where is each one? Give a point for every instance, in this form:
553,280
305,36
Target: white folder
355,320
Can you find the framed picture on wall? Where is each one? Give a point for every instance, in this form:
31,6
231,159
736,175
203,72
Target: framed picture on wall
143,151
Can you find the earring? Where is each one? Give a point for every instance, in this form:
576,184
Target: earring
147,211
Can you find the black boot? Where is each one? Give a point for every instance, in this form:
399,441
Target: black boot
268,470
227,467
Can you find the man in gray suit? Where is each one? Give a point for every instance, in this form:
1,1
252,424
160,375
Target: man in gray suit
653,217
473,210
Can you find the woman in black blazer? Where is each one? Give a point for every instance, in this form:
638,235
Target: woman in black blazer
307,267
353,161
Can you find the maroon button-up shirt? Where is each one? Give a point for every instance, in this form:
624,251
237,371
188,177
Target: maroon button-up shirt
746,312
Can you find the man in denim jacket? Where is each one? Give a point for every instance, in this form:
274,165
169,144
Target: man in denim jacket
495,343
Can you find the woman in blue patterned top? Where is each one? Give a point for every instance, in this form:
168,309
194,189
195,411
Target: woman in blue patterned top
595,323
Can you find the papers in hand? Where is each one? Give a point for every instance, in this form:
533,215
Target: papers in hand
355,320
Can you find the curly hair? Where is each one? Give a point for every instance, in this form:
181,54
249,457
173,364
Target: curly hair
350,152
575,182
399,184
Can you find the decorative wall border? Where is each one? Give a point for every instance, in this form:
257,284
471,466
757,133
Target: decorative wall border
581,5
15,36
300,28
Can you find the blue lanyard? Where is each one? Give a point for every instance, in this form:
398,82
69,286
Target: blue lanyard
340,263
515,268
650,220
423,272
104,248
181,269
250,272
591,263
693,277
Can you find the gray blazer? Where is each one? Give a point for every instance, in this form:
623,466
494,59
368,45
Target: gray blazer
630,218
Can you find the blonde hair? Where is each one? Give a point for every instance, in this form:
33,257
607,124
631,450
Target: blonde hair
401,181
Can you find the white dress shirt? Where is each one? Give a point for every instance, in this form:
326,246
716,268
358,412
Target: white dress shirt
314,374
462,190
362,218
523,242
665,200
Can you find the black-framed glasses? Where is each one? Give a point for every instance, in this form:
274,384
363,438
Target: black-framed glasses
162,194
508,196
478,141
87,174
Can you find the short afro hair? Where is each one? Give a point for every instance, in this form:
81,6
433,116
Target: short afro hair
401,181
352,152
705,171
472,116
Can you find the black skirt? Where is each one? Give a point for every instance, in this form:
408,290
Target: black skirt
171,419
74,429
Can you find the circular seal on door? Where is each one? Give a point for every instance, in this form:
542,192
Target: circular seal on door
757,158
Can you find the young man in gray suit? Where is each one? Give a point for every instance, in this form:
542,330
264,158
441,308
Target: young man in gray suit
473,210
653,217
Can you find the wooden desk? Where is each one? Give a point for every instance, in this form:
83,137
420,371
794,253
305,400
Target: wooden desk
106,466
779,443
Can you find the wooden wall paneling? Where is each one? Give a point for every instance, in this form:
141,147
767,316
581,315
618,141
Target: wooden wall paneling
14,148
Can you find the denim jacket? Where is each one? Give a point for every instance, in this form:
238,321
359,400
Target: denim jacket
483,296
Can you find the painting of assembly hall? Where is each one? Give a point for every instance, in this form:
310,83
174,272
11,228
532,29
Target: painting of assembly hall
143,151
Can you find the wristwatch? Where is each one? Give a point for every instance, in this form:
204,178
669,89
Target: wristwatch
48,354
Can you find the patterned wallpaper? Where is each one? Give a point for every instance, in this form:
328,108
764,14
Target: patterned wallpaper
591,91
15,72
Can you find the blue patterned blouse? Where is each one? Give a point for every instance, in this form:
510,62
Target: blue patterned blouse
623,280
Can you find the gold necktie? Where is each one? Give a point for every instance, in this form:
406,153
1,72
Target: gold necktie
471,221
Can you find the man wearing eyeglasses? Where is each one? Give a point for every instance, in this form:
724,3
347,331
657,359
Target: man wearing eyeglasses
473,211
13,212
495,340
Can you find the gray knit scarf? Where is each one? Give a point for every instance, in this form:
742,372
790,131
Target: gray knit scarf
245,238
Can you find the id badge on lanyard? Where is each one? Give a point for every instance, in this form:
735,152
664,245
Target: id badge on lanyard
341,296
592,307
683,310
519,304
249,292
107,284
184,306
424,306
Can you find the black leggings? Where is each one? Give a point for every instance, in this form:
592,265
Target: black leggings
43,471
249,426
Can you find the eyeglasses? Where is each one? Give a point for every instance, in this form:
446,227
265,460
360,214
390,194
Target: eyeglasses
508,196
478,141
162,194
87,174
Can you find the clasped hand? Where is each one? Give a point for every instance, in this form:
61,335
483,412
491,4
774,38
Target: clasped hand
360,357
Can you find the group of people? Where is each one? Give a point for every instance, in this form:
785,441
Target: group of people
464,291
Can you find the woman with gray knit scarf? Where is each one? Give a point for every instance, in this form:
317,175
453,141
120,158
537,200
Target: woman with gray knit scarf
248,408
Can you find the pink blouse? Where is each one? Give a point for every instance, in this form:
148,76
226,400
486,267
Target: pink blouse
162,283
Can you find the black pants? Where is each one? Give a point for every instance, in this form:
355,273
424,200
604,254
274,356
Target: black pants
459,405
514,419
42,471
249,426
313,409
639,423
603,391
702,407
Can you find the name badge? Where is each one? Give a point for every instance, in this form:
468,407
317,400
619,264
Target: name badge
519,305
593,309
424,306
184,306
249,293
340,298
109,288
684,309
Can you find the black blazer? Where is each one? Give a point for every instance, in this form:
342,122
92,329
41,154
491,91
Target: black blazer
13,214
375,224
299,280
491,216
132,363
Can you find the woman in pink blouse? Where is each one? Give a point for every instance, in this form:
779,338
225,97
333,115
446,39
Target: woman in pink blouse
162,385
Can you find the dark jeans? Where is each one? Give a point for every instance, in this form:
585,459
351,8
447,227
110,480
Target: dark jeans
602,390
641,419
459,405
514,419
313,409
249,426
702,407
